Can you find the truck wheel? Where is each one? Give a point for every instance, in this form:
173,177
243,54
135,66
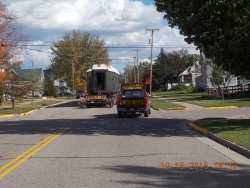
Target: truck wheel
119,114
146,114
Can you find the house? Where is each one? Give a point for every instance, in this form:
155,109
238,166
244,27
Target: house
35,77
199,75
61,87
189,76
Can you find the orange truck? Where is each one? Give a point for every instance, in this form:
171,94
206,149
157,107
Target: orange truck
133,99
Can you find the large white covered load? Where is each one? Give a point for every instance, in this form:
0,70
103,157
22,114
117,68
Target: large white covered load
104,67
103,79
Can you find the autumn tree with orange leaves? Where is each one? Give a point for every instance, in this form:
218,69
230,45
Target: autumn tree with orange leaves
9,36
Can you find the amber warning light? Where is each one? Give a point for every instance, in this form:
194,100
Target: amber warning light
133,86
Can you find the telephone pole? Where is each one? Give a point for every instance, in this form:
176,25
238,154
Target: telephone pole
73,76
151,59
134,70
137,64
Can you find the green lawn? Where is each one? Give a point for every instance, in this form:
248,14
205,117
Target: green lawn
241,102
236,131
163,104
21,108
202,99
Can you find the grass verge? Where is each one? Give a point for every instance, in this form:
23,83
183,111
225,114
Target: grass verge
201,99
234,130
22,108
241,102
164,105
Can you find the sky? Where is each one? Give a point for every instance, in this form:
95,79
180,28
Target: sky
118,23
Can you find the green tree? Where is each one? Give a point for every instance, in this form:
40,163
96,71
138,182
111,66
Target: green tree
219,78
219,28
78,51
48,87
168,67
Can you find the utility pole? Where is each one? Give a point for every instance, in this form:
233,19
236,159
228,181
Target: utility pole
73,76
134,70
151,59
33,82
137,64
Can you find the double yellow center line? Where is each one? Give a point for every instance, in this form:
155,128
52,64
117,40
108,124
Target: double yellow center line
13,164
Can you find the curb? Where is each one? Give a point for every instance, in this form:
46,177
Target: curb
5,116
221,107
26,113
155,108
239,149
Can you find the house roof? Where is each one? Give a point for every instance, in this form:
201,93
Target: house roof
192,69
31,74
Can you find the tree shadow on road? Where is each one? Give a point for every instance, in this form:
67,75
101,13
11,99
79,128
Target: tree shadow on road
107,124
146,176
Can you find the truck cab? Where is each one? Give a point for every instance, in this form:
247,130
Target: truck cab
133,99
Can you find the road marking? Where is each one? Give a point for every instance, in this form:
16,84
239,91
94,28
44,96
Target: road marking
29,153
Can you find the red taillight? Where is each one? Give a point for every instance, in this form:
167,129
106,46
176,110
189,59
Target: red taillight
118,101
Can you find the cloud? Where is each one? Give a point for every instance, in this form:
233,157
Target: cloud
120,22
99,15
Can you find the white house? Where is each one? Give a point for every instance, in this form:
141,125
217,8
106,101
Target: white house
190,75
61,87
199,76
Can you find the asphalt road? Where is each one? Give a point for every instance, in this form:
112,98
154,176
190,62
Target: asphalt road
75,147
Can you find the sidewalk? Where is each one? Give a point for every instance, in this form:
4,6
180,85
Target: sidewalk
188,106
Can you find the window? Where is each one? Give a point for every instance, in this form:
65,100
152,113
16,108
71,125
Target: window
133,94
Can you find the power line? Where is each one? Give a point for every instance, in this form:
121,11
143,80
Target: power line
114,47
83,57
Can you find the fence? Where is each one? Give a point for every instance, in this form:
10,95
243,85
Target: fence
234,90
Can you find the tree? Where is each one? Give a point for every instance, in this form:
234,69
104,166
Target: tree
219,78
49,88
78,51
131,73
9,37
144,71
219,28
168,67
